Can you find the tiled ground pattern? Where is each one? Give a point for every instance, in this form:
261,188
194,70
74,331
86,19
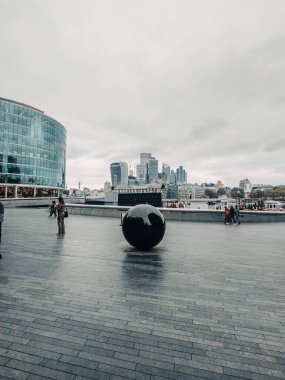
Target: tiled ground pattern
208,303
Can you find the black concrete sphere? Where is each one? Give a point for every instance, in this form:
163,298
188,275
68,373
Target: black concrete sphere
143,226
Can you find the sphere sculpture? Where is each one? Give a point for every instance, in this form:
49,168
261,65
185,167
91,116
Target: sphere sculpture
143,226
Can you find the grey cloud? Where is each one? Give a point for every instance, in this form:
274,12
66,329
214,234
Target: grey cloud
208,129
195,83
275,146
254,75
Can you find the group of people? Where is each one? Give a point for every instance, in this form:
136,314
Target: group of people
232,215
58,209
250,205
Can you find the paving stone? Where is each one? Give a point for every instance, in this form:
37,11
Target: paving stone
37,377
182,376
4,360
177,374
39,370
152,360
50,334
10,373
107,360
53,348
97,375
179,348
112,347
250,375
13,339
120,342
76,369
23,356
36,351
91,364
4,344
184,353
113,370
87,307
235,362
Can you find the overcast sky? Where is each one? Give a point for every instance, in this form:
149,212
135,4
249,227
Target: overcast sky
196,83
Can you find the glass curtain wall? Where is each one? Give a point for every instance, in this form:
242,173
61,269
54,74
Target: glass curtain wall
32,147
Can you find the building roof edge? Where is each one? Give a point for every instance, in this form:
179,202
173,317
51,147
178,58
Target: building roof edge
21,104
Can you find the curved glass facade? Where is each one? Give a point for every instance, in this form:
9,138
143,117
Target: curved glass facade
32,147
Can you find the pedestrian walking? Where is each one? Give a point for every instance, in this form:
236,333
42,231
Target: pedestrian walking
60,208
236,216
232,215
227,215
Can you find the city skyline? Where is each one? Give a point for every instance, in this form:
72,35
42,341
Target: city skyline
198,84
148,170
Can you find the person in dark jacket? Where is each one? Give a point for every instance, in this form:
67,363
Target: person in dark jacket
60,208
232,215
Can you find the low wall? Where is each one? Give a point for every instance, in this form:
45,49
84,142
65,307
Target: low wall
35,202
188,215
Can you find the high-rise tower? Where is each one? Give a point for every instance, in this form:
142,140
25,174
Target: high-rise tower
119,173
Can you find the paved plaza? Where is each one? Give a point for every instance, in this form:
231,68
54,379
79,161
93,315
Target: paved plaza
207,303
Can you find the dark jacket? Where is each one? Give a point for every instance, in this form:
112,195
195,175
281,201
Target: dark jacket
232,212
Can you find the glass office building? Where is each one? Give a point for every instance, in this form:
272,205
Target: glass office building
32,152
119,173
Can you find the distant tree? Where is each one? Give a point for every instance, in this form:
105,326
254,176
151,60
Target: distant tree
256,194
277,193
210,193
221,191
237,192
269,194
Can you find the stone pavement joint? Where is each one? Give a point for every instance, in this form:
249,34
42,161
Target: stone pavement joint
207,303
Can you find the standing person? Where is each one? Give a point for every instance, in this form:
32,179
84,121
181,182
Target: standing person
236,216
53,209
227,215
60,216
232,215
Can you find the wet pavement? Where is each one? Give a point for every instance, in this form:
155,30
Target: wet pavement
207,303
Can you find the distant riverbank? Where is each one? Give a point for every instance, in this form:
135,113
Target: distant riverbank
187,215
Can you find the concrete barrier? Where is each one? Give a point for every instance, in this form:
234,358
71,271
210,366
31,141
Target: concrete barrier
186,215
78,206
35,202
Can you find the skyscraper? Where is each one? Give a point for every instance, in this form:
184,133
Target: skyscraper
144,158
141,174
166,173
152,170
119,173
172,177
181,175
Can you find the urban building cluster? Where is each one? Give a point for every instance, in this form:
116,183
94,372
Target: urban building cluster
145,177
146,172
33,164
174,189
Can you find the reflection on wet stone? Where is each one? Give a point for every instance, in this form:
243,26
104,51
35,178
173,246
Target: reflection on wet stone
142,270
